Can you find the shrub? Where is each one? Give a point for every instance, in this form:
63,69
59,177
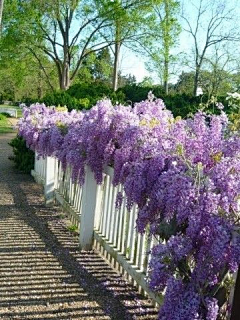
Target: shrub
23,157
94,92
84,103
60,98
4,115
83,96
28,101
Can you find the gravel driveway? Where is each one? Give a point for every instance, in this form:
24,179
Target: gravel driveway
43,275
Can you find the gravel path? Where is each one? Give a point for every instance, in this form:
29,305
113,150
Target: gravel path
13,121
43,275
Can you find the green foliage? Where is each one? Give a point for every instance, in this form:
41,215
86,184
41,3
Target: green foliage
214,83
96,67
92,92
3,116
22,156
84,103
179,104
164,30
83,96
135,93
103,67
5,126
56,31
21,76
62,98
185,83
146,82
73,228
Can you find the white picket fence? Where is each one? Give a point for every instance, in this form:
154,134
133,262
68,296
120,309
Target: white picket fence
110,230
11,111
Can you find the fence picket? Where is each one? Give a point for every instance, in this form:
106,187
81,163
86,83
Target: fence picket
92,208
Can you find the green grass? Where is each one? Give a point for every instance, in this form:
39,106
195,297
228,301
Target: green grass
5,126
19,110
19,113
73,228
6,129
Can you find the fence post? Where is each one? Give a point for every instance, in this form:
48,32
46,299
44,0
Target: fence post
34,170
37,171
36,163
98,209
89,206
49,180
235,312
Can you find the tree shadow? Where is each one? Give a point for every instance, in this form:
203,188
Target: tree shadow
42,267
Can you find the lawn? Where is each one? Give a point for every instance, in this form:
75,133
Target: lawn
6,124
19,110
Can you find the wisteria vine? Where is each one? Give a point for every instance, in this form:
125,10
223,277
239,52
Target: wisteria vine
184,175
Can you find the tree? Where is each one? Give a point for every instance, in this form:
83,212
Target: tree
127,26
67,31
21,77
125,80
103,68
28,72
146,82
121,29
1,12
208,26
216,78
165,30
185,83
96,67
236,81
51,28
69,52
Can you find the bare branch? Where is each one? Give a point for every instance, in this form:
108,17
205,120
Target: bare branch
212,28
42,68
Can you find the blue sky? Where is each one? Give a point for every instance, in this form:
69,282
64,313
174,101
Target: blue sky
131,63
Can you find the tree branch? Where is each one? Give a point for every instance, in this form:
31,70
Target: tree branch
42,67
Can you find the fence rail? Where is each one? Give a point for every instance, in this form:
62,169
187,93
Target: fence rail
92,209
11,111
109,229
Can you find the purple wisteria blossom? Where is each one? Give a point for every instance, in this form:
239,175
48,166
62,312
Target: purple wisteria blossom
184,176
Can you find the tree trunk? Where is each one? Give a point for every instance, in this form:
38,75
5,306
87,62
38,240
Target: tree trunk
196,80
116,54
166,40
67,77
235,314
116,65
39,88
65,74
64,79
1,12
166,76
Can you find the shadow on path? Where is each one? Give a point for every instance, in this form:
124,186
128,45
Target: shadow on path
43,275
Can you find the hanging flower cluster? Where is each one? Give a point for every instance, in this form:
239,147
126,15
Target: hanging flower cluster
184,175
44,128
